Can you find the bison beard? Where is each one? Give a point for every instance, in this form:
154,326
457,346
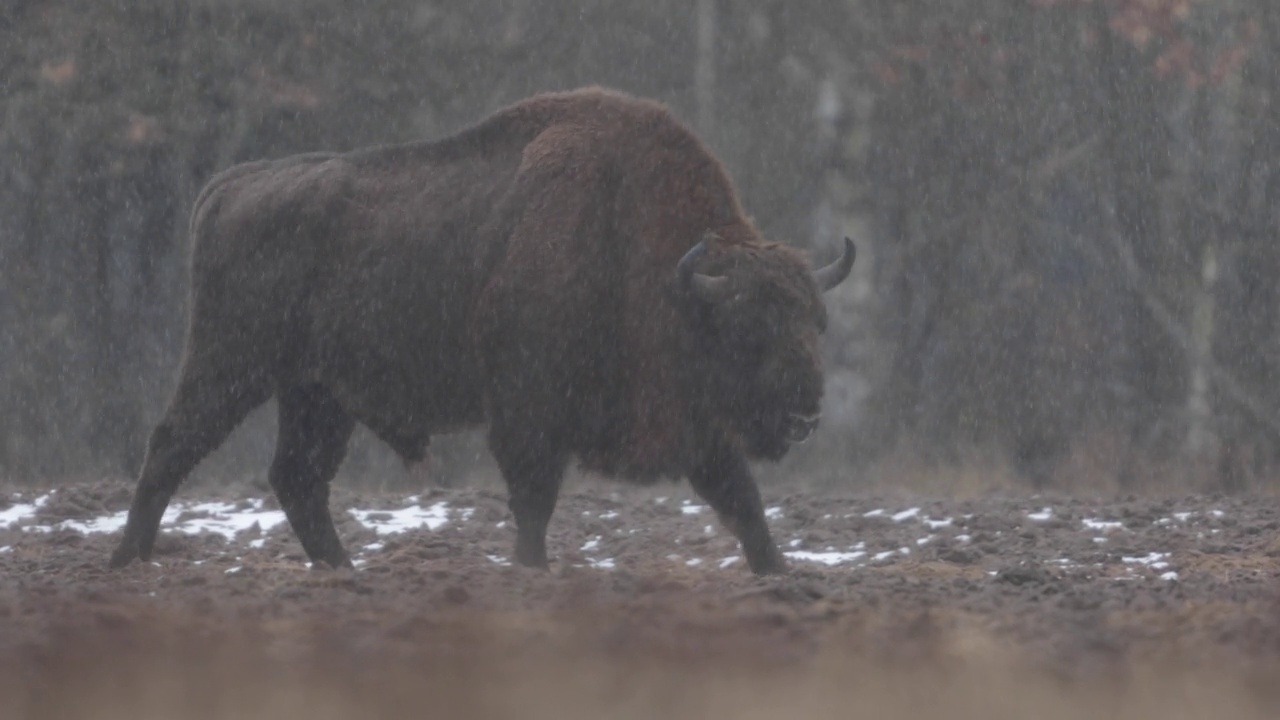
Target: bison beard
574,271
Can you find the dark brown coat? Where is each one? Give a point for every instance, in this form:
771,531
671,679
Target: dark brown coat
525,273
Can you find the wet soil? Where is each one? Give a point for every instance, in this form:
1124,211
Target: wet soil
894,607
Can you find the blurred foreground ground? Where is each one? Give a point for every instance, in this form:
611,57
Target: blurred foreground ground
989,607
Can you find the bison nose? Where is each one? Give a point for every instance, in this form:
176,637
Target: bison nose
800,427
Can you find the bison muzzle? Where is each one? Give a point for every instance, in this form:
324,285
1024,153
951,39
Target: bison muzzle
574,271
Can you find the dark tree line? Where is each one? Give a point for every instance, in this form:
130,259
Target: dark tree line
1065,209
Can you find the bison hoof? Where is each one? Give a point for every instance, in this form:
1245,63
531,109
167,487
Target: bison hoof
342,563
535,560
126,553
778,569
771,565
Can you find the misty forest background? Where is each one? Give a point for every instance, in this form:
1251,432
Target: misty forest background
1066,210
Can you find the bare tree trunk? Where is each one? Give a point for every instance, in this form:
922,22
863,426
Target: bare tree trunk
704,70
1224,165
1200,355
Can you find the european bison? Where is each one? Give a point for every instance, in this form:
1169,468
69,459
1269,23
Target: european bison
575,271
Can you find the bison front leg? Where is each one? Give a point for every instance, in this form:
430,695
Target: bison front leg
723,479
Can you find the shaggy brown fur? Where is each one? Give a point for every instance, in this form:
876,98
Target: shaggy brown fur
521,273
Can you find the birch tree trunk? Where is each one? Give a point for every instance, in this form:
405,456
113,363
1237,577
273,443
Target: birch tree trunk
1221,163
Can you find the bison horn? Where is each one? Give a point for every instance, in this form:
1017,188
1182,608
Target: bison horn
832,275
711,288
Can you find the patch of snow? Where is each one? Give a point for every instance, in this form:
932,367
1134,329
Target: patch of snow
258,543
219,517
1154,560
1104,525
6,548
874,513
233,570
498,560
1100,540
795,542
591,545
906,514
826,558
407,518
773,513
689,508
106,524
222,518
608,515
1044,514
374,546
964,538
709,530
1170,576
605,564
935,524
22,511
693,562
726,562
924,540
660,500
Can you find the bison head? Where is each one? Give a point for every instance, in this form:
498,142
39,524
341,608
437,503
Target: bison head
756,314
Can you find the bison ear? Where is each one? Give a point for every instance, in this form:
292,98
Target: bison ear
832,275
710,288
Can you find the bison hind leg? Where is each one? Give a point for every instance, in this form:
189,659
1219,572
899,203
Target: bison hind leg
312,441
203,412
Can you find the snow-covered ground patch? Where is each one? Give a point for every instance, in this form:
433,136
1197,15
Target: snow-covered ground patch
1103,525
827,557
901,533
1155,560
410,517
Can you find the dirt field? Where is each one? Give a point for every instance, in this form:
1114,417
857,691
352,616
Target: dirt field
1000,607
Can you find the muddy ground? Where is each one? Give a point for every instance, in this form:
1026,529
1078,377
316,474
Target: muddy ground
911,607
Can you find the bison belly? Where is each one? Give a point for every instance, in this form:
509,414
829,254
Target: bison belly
394,350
